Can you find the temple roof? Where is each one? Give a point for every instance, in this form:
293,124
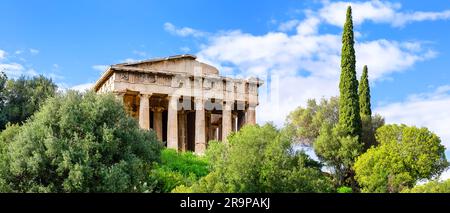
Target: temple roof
153,60
185,64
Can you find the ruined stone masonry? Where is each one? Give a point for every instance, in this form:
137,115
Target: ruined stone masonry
186,102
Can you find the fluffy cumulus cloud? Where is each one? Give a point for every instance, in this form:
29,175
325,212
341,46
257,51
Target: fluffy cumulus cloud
184,31
377,12
15,70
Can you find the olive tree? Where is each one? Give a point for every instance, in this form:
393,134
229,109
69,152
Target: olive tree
78,143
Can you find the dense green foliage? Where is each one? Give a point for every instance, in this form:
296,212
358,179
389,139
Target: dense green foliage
349,115
74,144
344,189
259,159
405,155
338,151
178,169
20,98
305,123
317,123
431,187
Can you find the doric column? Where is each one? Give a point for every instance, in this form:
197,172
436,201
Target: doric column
233,122
172,123
157,122
251,115
200,136
182,125
226,120
144,111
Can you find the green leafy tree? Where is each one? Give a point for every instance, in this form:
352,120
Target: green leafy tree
23,97
368,132
338,151
305,123
349,115
431,187
79,143
6,136
259,159
404,156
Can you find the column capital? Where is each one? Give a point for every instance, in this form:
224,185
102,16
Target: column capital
199,103
227,105
145,95
158,109
119,93
252,105
173,96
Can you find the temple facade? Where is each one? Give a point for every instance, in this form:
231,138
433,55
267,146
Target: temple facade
186,102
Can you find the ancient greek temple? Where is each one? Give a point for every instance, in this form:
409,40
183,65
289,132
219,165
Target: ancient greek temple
186,102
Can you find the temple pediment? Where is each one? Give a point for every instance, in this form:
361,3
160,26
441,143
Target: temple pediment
174,64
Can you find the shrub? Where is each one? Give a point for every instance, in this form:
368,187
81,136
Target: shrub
178,169
79,143
259,159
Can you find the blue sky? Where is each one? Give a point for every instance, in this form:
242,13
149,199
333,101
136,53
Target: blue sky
295,44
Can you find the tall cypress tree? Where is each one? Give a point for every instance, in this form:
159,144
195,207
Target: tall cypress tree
364,94
349,115
368,131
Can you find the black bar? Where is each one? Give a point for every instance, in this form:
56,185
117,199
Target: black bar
254,202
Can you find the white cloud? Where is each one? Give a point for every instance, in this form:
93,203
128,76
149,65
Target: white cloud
140,53
15,70
288,25
308,26
375,11
2,54
185,49
82,87
183,32
130,60
34,51
405,18
384,57
100,68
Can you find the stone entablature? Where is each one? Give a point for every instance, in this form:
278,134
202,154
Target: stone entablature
165,94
